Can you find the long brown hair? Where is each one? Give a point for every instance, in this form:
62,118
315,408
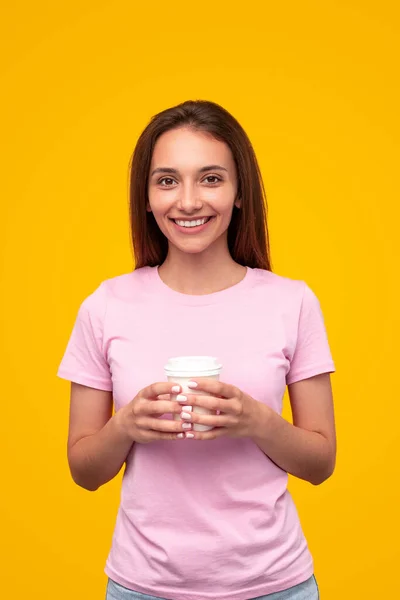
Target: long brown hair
248,239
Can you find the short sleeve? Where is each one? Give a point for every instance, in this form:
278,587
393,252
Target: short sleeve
84,360
312,355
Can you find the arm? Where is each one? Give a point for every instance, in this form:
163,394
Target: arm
306,449
97,445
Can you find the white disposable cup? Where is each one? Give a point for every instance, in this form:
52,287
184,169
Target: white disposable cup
182,369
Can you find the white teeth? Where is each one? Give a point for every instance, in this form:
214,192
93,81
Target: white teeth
191,223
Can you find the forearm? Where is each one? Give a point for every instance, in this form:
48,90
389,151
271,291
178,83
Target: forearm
302,453
96,459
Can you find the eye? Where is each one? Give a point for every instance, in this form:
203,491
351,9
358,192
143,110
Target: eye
212,179
166,181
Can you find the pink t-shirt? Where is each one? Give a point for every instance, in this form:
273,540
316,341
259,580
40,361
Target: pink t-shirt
212,519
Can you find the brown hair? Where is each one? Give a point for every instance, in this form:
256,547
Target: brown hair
248,239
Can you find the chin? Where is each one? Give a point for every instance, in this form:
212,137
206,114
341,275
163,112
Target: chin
191,250
191,246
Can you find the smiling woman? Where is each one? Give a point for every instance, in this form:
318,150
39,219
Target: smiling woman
205,484
194,223
198,159
193,209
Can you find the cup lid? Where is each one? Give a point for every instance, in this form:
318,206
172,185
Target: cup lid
190,366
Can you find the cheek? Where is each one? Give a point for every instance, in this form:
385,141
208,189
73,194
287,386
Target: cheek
225,209
221,200
159,203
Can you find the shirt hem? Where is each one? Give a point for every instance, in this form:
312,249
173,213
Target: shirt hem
85,380
310,372
243,594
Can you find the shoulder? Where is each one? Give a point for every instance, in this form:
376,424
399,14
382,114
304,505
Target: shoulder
121,288
289,296
277,287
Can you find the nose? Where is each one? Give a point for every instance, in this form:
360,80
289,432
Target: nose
189,200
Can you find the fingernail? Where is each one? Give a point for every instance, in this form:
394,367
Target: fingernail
191,384
180,435
190,435
186,416
181,398
186,426
176,389
187,408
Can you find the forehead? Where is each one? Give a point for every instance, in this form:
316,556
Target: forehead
187,148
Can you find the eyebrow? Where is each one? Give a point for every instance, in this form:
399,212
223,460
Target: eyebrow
176,172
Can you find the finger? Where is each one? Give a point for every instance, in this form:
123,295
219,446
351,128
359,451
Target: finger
157,389
164,397
155,436
213,420
213,434
214,387
209,402
160,407
231,406
165,425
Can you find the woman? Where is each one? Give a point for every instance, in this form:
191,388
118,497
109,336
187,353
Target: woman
203,515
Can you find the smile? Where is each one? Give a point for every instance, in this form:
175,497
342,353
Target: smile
191,223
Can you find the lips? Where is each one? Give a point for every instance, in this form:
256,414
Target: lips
191,222
191,226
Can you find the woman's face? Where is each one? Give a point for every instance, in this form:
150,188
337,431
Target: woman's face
192,189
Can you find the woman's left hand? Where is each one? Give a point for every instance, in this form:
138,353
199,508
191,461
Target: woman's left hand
238,414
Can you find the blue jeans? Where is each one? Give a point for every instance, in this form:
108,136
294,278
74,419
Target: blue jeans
304,591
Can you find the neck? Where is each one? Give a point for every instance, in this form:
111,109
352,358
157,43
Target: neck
203,273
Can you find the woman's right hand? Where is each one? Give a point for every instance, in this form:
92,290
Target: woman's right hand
141,418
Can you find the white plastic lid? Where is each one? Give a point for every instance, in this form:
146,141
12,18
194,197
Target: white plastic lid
192,366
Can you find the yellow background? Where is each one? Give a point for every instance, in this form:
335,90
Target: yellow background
315,84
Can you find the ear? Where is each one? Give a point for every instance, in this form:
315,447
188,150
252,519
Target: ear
238,202
148,207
